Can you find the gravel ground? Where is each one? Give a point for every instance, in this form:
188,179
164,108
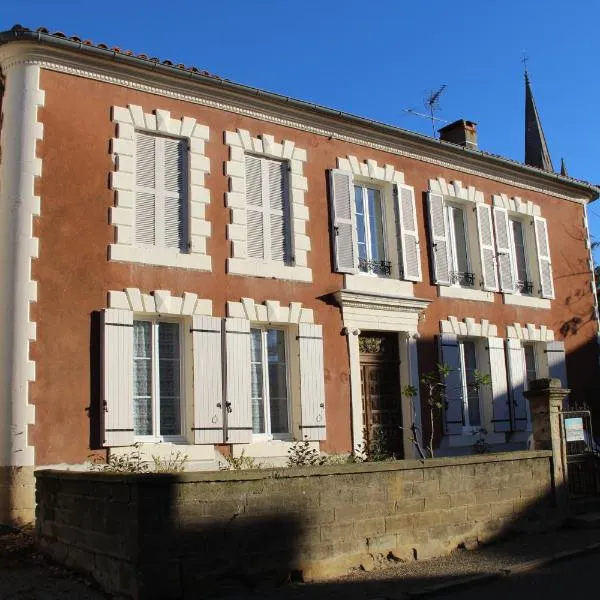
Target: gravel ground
27,575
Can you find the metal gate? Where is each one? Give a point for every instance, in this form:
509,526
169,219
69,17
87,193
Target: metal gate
583,456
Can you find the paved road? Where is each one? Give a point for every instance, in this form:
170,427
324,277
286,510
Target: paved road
565,580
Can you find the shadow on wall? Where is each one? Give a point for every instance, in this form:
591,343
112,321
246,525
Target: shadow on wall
218,534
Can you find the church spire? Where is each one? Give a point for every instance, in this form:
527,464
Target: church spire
563,168
536,149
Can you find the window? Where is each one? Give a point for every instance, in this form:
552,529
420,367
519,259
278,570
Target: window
160,192
373,223
519,257
268,356
267,209
530,364
460,272
157,378
470,394
370,230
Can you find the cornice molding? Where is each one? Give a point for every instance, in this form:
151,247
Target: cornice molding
253,104
347,299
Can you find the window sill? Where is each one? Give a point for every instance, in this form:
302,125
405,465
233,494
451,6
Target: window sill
530,301
453,291
161,257
363,282
272,270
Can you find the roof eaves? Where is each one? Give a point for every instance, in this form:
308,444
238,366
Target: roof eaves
42,35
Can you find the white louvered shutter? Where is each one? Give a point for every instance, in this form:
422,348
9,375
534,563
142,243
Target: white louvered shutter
312,381
503,247
486,247
453,409
160,192
543,256
515,356
238,405
208,380
117,375
557,367
174,226
439,239
411,257
499,384
254,208
343,235
279,221
267,209
145,189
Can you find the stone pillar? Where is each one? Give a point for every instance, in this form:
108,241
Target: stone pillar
546,398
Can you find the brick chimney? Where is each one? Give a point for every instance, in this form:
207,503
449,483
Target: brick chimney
461,132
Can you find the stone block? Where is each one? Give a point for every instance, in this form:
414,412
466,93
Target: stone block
399,523
351,512
412,474
369,527
424,489
486,496
337,531
502,509
479,512
435,502
382,543
410,505
462,498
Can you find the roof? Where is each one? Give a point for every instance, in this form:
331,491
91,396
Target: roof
60,39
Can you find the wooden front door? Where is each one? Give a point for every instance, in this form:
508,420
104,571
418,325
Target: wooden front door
381,392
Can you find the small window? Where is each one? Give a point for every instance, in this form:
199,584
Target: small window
270,407
519,255
157,378
470,394
460,272
370,233
160,192
267,209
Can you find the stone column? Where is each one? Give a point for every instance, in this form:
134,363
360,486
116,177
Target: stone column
545,398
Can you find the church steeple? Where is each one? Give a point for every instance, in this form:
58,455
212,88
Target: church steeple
536,149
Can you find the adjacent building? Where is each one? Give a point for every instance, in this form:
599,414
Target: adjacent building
191,264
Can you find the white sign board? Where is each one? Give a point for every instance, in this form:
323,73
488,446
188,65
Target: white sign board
574,429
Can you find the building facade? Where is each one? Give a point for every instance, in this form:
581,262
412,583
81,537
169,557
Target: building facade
192,264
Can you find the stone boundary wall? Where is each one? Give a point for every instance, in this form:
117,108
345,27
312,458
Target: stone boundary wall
177,536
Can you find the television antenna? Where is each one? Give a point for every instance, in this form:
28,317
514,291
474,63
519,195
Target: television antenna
432,104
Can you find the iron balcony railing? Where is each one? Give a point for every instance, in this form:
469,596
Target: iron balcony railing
525,287
462,278
378,267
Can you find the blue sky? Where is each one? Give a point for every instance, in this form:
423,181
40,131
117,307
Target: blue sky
375,58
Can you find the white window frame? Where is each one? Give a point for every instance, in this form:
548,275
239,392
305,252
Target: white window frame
240,143
267,435
467,426
535,349
526,249
128,121
154,437
526,212
448,206
365,185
